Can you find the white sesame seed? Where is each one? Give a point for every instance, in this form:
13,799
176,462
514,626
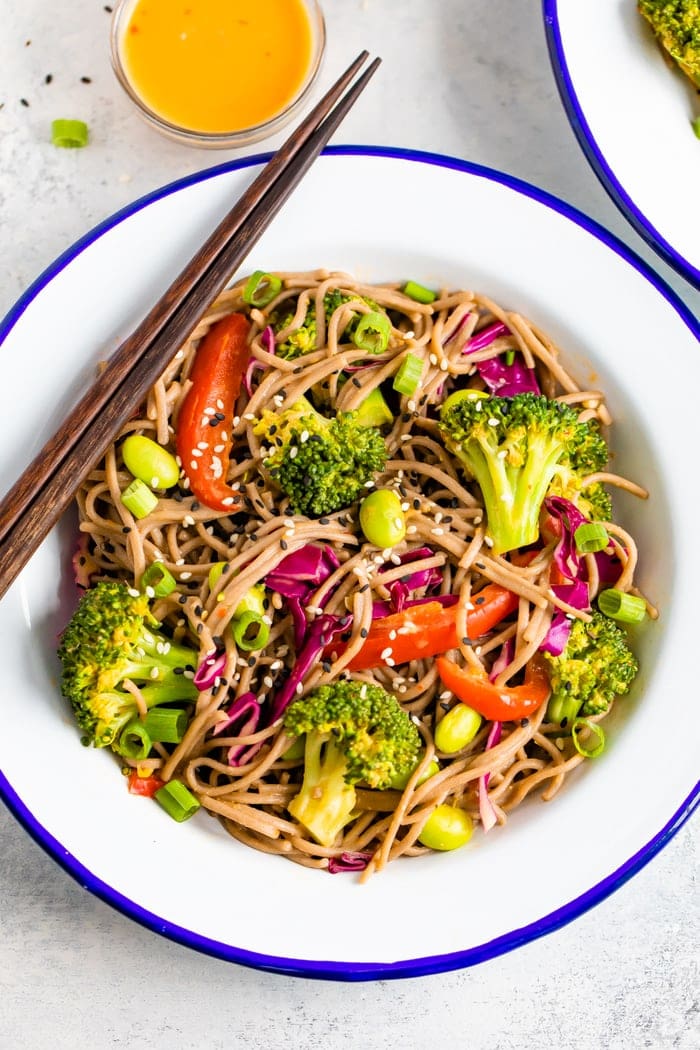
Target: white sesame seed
188,674
406,437
227,501
392,635
150,593
299,689
188,520
488,541
438,517
194,465
411,406
223,435
154,672
385,653
154,482
219,404
268,681
396,560
369,484
445,695
197,452
209,411
444,365
236,420
412,530
289,522
304,436
133,593
363,691
493,422
179,355
204,421
405,507
219,448
438,531
249,416
433,359
185,575
293,452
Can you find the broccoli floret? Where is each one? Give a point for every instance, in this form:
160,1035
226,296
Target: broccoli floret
588,454
303,339
513,448
321,464
355,732
111,637
676,25
596,666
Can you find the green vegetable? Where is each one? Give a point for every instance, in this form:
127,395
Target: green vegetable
695,124
302,340
250,630
446,828
372,332
418,292
408,377
381,518
398,783
159,579
676,24
166,725
134,740
591,537
595,667
177,800
628,608
261,288
69,134
374,411
514,447
457,729
354,732
150,462
321,464
592,727
139,499
113,636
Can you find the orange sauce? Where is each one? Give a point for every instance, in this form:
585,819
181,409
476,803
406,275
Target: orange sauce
217,65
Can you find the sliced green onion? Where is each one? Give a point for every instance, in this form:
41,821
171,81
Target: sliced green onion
134,740
598,733
261,288
69,134
408,377
166,725
177,800
372,332
250,632
695,124
139,499
255,600
215,573
418,292
159,579
591,537
618,605
509,357
374,411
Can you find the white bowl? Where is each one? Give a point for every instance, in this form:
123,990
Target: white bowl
632,114
381,214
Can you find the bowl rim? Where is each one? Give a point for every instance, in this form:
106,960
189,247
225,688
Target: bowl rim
325,969
219,139
595,156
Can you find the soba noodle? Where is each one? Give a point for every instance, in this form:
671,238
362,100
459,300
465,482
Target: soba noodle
444,512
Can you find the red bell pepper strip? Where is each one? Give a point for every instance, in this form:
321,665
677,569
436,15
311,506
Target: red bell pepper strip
497,703
426,630
145,786
205,420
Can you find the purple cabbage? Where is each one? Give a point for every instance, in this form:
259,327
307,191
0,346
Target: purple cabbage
568,517
320,632
209,670
268,343
348,862
554,642
400,589
486,808
242,719
501,378
503,659
296,576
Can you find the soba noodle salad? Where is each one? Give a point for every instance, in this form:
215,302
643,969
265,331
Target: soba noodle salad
352,580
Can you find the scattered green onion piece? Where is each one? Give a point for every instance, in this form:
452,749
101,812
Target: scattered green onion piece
408,377
596,730
695,124
372,332
166,725
254,600
139,499
591,537
374,411
250,632
134,741
69,134
261,288
618,605
150,462
509,357
159,579
177,800
418,292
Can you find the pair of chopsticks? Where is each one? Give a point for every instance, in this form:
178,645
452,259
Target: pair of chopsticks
39,497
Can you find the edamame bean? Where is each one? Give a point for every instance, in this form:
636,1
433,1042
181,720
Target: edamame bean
457,729
381,518
150,462
398,783
446,828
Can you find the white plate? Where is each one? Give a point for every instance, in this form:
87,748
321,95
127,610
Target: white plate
632,115
379,214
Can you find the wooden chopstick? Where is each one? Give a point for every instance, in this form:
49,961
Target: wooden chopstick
126,356
46,488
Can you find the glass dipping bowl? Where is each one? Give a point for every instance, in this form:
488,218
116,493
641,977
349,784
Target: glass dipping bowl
241,136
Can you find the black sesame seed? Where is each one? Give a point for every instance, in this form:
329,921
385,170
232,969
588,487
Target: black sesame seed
214,422
182,599
178,670
251,661
298,370
126,528
406,417
402,490
416,504
108,9
525,722
364,632
48,78
364,587
217,639
284,545
200,628
324,521
480,565
326,665
356,382
479,601
454,503
273,429
198,610
447,519
24,102
467,641
195,505
445,705
86,80
563,724
254,537
220,416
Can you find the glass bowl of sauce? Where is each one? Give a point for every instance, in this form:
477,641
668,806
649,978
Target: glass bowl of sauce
217,73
